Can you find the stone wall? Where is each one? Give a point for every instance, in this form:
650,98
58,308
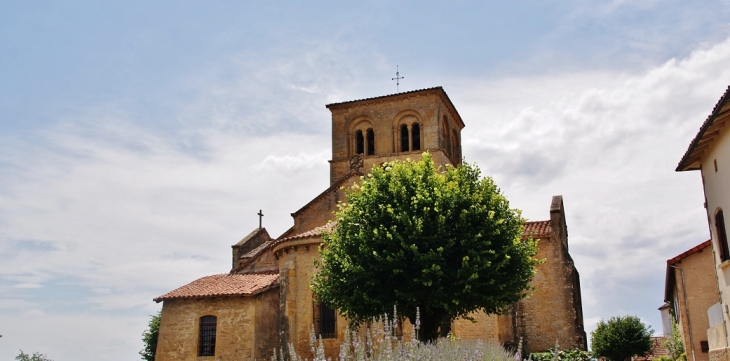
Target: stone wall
484,327
722,354
554,310
244,330
431,109
699,278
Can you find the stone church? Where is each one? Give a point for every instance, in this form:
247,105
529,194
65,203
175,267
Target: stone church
265,301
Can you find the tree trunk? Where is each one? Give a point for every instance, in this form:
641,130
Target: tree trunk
430,324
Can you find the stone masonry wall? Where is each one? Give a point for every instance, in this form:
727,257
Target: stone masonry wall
553,311
428,108
485,328
236,334
702,293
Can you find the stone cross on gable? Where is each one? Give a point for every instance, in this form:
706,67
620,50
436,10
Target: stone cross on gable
261,216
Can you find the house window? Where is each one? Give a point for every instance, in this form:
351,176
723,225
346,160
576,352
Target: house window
722,236
325,321
206,346
704,346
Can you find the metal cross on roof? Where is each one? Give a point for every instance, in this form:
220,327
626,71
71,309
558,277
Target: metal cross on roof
397,79
261,216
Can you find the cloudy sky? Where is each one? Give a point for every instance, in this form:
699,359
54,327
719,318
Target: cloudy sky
139,139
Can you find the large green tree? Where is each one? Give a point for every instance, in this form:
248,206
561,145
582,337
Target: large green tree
149,337
411,235
621,338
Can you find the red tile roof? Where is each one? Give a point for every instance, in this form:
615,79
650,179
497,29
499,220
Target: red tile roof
691,251
657,350
224,285
534,229
537,229
308,234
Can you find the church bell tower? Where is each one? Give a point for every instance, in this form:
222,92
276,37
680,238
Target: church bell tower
373,131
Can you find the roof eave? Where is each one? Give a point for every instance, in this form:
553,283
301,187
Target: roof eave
692,157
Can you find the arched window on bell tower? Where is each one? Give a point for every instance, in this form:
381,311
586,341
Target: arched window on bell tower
359,143
404,146
416,136
445,138
371,142
362,133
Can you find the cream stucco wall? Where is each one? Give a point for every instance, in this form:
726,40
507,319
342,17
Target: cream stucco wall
717,195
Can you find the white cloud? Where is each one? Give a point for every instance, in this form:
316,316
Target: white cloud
124,212
609,144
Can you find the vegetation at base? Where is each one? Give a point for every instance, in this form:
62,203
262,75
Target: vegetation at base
621,338
36,356
555,354
444,240
381,344
674,346
149,337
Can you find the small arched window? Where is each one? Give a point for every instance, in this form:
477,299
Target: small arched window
455,146
206,339
722,236
359,143
371,142
404,146
416,136
446,142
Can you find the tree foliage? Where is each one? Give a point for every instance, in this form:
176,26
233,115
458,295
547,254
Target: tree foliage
149,337
36,356
674,344
621,338
411,235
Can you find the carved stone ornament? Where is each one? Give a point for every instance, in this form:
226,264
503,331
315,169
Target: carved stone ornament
356,162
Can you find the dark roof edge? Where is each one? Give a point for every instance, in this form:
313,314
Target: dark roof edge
348,102
708,122
441,90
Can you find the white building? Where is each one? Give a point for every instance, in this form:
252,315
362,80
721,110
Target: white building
709,152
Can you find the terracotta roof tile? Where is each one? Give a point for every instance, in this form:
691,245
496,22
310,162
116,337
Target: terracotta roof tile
224,285
657,350
689,252
537,229
308,234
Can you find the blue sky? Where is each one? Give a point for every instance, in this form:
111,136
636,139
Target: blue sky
138,140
